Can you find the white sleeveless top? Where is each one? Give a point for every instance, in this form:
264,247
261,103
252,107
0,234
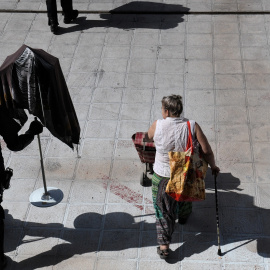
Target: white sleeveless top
171,134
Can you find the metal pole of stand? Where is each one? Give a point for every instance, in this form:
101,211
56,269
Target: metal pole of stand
46,196
46,193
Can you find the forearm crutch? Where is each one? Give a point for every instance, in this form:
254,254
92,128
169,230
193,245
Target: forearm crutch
217,217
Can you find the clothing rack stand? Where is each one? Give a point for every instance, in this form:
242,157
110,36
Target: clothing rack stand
46,196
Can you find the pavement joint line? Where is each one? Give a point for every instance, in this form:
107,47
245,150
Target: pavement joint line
256,198
147,12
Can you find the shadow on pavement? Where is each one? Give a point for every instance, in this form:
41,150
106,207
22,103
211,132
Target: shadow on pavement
151,7
132,21
241,223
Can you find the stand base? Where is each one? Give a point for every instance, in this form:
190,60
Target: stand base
40,199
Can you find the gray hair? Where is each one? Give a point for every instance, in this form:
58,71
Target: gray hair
173,104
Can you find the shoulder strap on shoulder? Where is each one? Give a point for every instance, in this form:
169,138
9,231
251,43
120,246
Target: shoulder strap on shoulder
189,143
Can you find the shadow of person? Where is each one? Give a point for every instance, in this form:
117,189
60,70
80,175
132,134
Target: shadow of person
131,21
150,7
119,232
243,225
20,234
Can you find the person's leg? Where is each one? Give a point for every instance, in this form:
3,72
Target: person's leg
165,229
3,260
164,226
51,9
1,239
70,14
185,209
66,6
52,14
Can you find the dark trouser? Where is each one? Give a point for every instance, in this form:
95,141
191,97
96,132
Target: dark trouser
2,216
52,7
167,210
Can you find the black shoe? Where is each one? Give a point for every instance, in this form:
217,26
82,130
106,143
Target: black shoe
53,25
68,17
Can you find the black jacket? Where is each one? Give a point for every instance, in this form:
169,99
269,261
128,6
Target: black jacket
32,79
9,129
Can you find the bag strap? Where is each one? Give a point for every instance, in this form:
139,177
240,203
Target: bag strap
189,142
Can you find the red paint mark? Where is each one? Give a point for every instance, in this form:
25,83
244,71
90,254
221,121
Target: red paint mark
126,193
105,185
124,144
267,97
104,177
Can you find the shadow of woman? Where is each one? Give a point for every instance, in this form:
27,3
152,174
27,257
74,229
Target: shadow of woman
134,20
243,225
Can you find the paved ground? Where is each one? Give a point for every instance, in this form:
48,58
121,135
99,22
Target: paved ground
118,68
160,5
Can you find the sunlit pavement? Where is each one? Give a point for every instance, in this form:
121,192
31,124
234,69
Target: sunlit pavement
118,67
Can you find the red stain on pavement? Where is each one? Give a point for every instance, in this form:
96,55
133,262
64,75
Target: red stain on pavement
124,144
104,177
267,97
127,194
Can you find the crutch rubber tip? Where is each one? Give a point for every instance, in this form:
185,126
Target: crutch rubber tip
219,252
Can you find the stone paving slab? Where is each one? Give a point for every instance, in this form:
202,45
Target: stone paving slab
125,6
118,68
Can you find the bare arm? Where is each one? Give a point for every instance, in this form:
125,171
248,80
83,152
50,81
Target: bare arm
206,149
149,136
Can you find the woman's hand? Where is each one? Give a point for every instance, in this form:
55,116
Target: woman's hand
146,138
215,170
